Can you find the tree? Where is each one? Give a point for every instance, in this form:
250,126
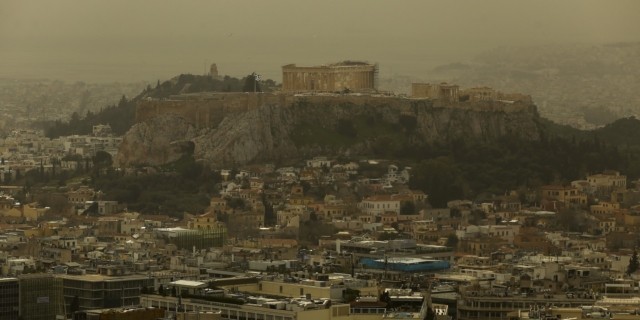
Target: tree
92,210
440,178
408,122
102,159
306,186
232,174
407,208
161,291
75,305
633,263
452,240
173,292
237,203
347,128
388,236
249,84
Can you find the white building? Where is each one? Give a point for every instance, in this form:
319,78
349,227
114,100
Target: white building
379,204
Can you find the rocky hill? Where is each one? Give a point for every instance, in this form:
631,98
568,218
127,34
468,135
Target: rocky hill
303,126
581,85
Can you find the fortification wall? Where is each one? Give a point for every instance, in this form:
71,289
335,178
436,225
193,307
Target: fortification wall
205,110
208,110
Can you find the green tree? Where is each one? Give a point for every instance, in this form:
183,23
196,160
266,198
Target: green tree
440,178
306,186
102,159
452,241
92,210
386,146
347,128
408,122
408,208
633,263
249,84
237,203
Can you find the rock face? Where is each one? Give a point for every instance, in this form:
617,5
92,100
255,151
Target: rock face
263,133
162,139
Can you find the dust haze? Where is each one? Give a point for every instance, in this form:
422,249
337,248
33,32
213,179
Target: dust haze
147,40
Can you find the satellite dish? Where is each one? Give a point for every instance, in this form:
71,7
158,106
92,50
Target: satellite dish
136,236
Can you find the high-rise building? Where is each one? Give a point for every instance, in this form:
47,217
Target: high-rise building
9,298
40,297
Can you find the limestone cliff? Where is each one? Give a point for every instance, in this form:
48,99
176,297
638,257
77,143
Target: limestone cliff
264,133
159,140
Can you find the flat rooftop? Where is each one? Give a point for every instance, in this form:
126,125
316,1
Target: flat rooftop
99,277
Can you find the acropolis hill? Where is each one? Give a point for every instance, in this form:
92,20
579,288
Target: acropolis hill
207,110
236,128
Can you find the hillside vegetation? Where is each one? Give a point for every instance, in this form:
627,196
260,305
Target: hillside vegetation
446,169
122,117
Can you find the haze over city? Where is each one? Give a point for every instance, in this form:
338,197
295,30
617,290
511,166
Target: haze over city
319,160
146,40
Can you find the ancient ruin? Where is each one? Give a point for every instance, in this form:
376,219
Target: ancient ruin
452,93
351,75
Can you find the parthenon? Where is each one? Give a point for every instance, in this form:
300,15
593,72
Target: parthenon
352,75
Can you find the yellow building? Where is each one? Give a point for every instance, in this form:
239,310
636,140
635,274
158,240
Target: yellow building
13,212
300,201
632,220
204,221
604,207
80,196
249,219
31,212
568,194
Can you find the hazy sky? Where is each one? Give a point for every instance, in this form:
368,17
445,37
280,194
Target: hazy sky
145,40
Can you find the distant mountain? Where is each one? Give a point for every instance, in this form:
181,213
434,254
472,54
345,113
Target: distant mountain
621,132
581,85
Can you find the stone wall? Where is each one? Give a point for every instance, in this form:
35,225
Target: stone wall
208,110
